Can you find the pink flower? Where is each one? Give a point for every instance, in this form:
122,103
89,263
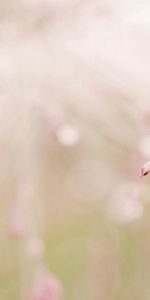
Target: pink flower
145,169
47,288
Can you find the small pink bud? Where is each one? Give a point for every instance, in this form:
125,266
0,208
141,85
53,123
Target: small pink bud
55,119
48,288
16,231
145,169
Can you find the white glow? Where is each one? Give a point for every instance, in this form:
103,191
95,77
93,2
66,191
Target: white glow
68,135
126,206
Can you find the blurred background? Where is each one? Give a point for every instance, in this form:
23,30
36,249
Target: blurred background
74,132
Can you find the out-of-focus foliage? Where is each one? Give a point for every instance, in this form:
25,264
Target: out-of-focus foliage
74,131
